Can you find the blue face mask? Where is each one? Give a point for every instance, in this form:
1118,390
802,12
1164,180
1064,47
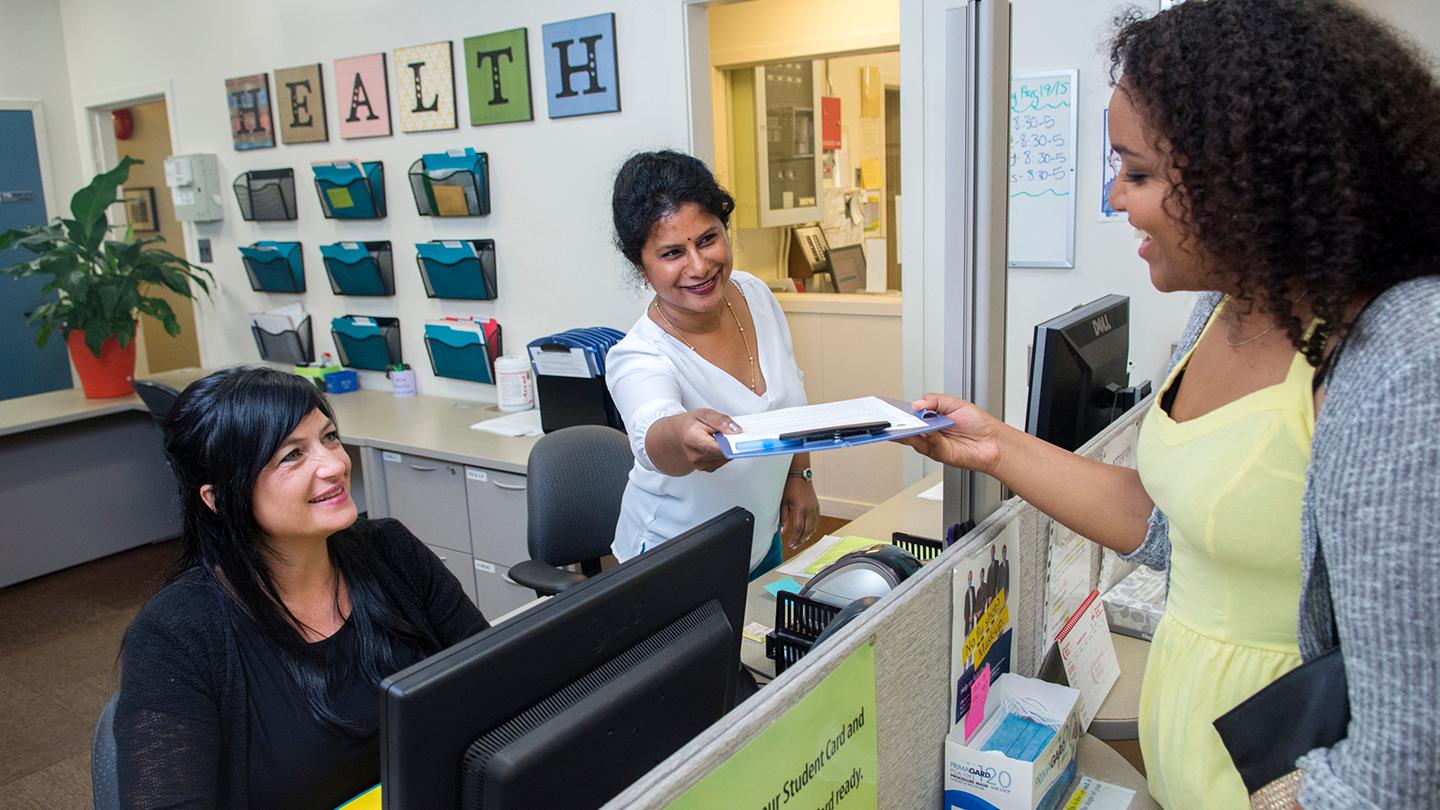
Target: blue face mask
1019,738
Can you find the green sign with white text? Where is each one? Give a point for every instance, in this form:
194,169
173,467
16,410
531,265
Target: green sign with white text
819,755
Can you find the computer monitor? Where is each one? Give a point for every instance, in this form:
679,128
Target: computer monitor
847,267
1078,372
570,702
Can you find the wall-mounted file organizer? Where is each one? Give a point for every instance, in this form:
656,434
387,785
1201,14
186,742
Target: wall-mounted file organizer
462,268
350,190
367,343
266,195
451,184
275,266
359,268
463,348
570,378
294,346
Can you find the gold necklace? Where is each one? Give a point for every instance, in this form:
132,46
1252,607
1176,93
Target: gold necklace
1234,319
749,355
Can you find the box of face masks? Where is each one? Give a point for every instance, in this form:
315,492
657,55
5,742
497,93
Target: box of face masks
1023,755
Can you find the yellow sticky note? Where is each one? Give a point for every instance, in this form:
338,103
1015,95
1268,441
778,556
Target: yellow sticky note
843,546
450,201
340,198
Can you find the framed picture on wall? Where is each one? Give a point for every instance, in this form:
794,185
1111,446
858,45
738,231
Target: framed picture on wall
140,209
248,98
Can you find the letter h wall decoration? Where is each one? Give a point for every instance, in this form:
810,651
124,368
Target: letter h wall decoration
497,71
248,98
425,87
363,90
582,68
300,104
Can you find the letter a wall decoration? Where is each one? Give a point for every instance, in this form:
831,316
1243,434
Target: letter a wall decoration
497,72
300,104
248,98
582,71
425,87
363,89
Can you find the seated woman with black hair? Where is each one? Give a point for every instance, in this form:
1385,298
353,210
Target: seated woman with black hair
250,679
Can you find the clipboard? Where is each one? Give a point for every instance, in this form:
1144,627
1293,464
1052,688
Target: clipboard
830,438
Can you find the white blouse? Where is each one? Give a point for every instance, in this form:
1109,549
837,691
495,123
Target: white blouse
652,375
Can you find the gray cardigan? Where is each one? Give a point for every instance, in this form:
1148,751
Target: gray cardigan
1372,505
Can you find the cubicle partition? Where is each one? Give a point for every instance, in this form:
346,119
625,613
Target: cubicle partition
910,629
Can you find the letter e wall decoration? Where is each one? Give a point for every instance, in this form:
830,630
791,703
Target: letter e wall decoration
248,98
425,87
300,104
582,70
362,88
497,73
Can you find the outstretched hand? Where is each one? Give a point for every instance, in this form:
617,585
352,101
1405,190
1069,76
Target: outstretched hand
697,439
972,443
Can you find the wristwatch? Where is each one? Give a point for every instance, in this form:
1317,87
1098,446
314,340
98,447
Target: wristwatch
805,474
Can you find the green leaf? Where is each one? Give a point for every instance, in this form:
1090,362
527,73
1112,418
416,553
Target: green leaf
89,204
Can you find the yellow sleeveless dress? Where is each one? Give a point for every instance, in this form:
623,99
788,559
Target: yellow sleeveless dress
1231,483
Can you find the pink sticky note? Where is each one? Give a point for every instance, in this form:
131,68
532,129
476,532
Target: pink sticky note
979,690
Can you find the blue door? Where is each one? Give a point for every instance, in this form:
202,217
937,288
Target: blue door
24,369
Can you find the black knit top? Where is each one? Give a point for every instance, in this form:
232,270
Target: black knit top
182,720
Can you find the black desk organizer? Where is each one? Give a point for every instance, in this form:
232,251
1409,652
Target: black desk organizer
351,190
799,621
274,266
360,268
463,175
458,268
266,195
293,346
372,352
569,401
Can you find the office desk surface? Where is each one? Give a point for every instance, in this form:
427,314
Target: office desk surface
435,427
1099,761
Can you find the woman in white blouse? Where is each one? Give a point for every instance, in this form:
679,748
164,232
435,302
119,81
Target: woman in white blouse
711,344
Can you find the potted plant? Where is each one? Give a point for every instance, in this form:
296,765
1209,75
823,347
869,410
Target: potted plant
102,284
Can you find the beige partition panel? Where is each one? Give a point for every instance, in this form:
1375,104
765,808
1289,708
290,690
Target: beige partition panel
911,629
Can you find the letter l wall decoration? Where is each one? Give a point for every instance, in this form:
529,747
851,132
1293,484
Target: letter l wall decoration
582,68
425,87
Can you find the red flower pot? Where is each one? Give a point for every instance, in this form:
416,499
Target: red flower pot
107,375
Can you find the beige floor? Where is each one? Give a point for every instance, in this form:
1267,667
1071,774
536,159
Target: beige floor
59,641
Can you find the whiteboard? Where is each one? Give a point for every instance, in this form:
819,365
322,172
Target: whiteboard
1042,169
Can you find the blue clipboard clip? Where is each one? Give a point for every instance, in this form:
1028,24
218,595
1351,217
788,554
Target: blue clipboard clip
828,438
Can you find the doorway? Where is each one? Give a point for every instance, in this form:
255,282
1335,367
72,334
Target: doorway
148,140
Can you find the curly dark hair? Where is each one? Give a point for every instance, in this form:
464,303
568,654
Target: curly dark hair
1306,136
653,185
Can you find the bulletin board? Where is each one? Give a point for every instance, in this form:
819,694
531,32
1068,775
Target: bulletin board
1042,169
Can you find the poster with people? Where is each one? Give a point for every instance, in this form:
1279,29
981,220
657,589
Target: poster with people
982,624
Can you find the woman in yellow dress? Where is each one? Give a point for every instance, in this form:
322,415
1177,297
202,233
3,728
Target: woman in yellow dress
1282,157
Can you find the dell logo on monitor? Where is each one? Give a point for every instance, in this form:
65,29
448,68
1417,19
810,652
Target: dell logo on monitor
1101,325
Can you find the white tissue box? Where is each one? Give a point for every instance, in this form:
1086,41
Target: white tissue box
1135,605
980,779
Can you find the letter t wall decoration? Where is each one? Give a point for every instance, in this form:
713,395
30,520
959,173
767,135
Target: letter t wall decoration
425,87
582,70
497,72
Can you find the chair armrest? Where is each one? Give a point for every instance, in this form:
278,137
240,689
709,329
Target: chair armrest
547,580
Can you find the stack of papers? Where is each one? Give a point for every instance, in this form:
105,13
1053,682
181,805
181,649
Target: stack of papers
824,551
285,319
832,425
524,423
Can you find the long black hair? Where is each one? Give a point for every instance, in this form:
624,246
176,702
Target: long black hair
222,431
1307,139
653,185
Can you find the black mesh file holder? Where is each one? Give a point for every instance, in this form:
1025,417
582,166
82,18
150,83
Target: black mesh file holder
360,268
294,346
798,622
452,191
266,195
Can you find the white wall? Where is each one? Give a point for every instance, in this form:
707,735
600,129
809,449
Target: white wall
1063,34
550,179
33,67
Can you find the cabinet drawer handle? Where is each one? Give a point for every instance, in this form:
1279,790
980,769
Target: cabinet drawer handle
418,468
511,487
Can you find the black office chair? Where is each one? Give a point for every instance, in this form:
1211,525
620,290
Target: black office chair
104,781
158,398
574,482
